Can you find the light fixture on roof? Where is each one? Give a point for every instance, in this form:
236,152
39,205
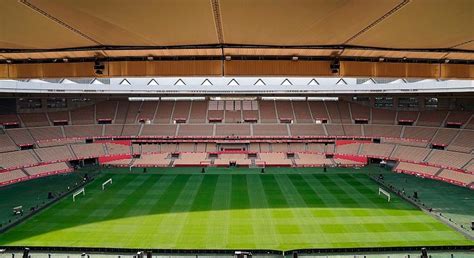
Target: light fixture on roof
381,59
446,61
404,58
65,60
228,58
294,58
149,58
9,61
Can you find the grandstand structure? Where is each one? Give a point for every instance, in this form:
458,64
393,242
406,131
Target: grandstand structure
297,133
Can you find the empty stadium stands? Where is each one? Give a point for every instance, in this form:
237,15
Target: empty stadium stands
310,129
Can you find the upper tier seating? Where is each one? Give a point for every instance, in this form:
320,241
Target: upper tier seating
85,131
46,133
284,110
431,118
163,114
334,112
302,112
181,110
268,112
21,136
464,142
198,112
88,150
458,117
6,119
147,111
383,116
407,116
132,112
83,115
53,154
59,116
420,133
250,109
106,110
121,113
34,119
360,112
444,136
376,150
216,110
409,153
6,144
318,110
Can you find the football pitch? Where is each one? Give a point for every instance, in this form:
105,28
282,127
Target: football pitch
232,210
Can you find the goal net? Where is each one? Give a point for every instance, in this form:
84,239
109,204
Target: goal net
78,192
385,193
109,181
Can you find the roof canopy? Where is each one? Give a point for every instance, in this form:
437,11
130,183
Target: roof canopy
346,29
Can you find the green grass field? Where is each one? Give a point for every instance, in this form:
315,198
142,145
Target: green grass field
238,210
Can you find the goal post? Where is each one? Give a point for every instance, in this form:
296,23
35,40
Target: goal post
78,192
383,192
109,181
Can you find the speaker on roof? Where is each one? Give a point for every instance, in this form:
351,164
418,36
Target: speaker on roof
334,66
99,67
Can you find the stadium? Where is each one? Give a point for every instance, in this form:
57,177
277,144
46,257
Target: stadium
237,128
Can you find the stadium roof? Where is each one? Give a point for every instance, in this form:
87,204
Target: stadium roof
406,31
